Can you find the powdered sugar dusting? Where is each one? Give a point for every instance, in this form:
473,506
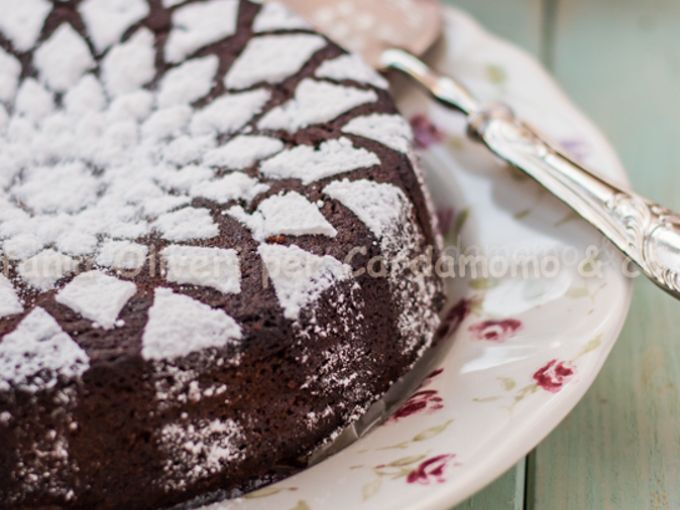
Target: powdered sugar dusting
272,58
131,157
179,325
107,20
186,224
65,188
43,270
49,463
22,20
86,96
183,179
287,214
166,123
199,24
315,102
233,186
130,65
379,206
206,267
10,70
275,16
97,154
197,450
76,243
22,246
4,117
351,67
135,106
300,277
33,101
9,301
393,131
123,255
97,296
63,59
229,113
188,82
387,212
188,149
37,353
311,164
243,151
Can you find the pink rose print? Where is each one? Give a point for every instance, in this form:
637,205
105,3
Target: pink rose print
430,470
453,318
553,376
423,401
431,376
425,133
577,149
495,331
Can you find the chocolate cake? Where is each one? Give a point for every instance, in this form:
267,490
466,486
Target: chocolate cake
209,217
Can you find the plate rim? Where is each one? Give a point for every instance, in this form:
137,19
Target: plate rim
549,416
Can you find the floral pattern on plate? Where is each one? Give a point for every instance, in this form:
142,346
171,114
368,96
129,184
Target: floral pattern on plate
523,351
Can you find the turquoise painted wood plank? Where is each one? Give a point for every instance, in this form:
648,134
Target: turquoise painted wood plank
520,21
620,60
620,448
506,493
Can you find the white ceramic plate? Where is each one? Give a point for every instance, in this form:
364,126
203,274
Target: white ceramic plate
527,348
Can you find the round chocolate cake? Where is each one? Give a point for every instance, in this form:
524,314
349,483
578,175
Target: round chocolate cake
209,217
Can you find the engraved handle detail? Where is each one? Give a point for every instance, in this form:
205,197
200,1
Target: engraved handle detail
653,236
646,232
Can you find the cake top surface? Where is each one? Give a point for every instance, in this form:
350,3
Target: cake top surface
151,151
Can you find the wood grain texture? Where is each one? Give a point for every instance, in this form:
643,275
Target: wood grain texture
620,61
620,448
505,493
520,21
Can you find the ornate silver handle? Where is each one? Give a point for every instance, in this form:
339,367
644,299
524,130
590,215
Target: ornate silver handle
644,231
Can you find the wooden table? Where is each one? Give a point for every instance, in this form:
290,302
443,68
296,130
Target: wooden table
620,448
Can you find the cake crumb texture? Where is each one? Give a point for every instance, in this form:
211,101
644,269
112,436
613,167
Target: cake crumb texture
191,193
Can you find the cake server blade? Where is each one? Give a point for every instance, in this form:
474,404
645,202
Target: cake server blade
391,34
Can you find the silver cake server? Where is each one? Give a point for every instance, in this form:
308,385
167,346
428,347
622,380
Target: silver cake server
390,33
